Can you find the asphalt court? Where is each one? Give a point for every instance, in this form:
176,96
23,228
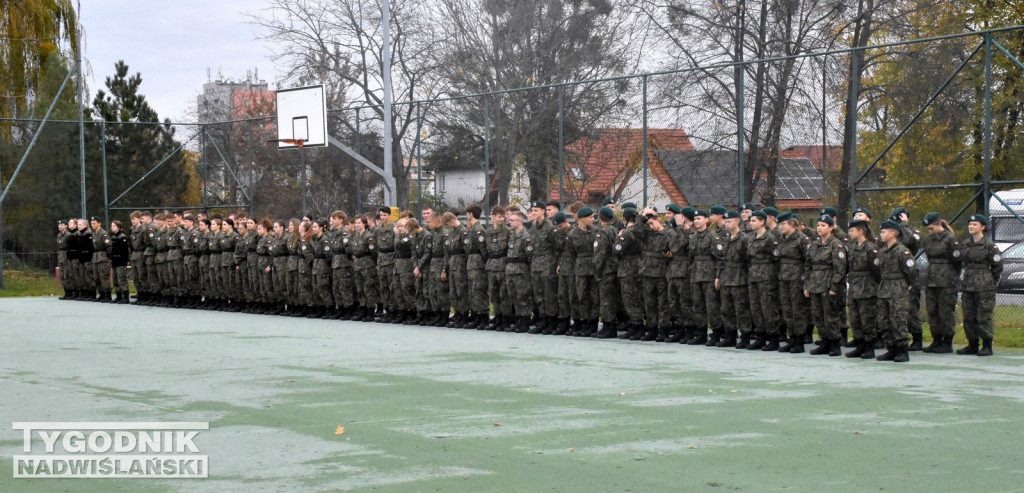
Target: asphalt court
430,409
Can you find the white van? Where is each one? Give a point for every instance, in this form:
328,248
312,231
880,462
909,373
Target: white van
1006,229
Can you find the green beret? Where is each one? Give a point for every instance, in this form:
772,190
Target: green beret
931,218
895,216
893,225
606,213
629,205
96,218
759,214
558,218
629,215
700,212
673,208
688,212
827,219
539,205
859,223
62,221
865,210
585,212
749,206
830,211
978,218
607,201
731,214
771,211
717,209
785,216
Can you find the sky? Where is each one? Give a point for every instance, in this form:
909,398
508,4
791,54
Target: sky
172,44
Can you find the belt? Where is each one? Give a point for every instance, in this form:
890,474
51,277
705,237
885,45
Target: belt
791,261
860,273
491,255
402,255
457,252
585,256
821,267
891,277
734,264
938,261
977,267
703,257
363,255
281,255
386,250
653,254
516,260
264,255
760,262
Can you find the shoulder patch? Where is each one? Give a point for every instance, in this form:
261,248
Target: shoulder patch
910,263
841,254
997,257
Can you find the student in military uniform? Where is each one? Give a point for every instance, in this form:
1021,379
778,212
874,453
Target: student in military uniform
475,243
322,298
542,266
458,283
437,277
716,221
62,256
566,272
215,291
654,261
606,267
304,278
864,274
705,249
679,298
943,252
252,262
101,260
581,243
87,271
899,279
983,264
731,282
362,248
341,265
73,290
792,247
911,238
228,265
292,242
136,239
630,250
839,234
517,270
763,281
175,259
203,251
745,211
120,252
824,271
385,251
190,250
496,237
421,267
278,249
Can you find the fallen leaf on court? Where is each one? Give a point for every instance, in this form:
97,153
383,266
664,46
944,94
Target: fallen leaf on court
528,389
711,391
545,364
339,430
497,424
693,447
857,433
622,393
733,391
572,449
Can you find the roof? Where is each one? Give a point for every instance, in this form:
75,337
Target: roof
711,177
829,158
599,165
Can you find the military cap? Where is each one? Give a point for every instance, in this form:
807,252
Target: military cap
731,214
829,211
607,201
539,205
895,215
771,211
859,223
978,218
865,210
674,208
606,213
558,218
700,212
96,218
629,205
629,215
62,221
585,212
717,209
786,216
890,225
931,218
827,219
760,214
689,212
749,206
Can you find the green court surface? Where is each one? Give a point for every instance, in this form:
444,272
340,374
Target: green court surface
428,409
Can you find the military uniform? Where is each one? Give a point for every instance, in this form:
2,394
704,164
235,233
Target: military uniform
517,277
794,306
497,289
73,263
422,256
458,283
342,275
101,262
279,251
654,261
824,271
943,252
62,262
565,267
175,260
762,278
252,272
606,268
191,251
227,267
705,249
983,264
679,298
580,243
732,281
385,251
215,290
304,282
204,295
542,269
137,242
241,270
292,295
320,274
405,292
120,252
362,246
264,271
436,286
475,243
899,278
864,274
911,238
87,271
630,249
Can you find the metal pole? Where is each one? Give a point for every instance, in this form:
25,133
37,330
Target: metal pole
987,184
252,174
206,163
740,136
103,152
302,164
561,149
487,155
419,157
2,244
851,126
386,76
645,139
81,105
359,170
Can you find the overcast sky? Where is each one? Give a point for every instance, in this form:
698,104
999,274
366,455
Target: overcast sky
172,43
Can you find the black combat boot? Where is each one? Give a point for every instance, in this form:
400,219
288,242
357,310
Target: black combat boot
822,349
728,339
607,331
888,355
809,334
986,348
797,346
784,348
771,343
493,323
759,341
970,348
663,334
869,350
622,332
859,350
676,334
651,333
562,327
699,336
523,325
844,338
902,355
916,344
946,346
714,339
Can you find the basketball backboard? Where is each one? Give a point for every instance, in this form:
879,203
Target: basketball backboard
301,116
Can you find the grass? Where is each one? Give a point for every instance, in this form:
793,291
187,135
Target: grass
1008,321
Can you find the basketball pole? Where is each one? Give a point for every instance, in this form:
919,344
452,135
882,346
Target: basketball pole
386,76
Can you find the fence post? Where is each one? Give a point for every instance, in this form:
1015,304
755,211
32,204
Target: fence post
740,137
987,183
419,157
252,173
561,150
1,243
487,156
206,166
359,170
103,153
645,139
851,125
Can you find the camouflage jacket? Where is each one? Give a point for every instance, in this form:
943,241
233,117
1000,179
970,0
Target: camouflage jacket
497,246
519,251
825,266
792,256
899,271
705,250
732,264
943,252
763,257
629,249
564,255
679,245
581,244
361,246
606,262
475,241
100,245
654,257
865,273
384,240
983,264
175,241
542,237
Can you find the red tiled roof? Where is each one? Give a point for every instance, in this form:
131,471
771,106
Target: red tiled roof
614,154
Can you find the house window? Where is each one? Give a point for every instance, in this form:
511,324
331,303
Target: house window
577,173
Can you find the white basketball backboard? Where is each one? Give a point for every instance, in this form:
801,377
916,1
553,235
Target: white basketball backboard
302,115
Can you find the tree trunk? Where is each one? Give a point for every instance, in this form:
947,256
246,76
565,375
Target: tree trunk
862,34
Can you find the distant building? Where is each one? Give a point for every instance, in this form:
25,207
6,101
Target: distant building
220,99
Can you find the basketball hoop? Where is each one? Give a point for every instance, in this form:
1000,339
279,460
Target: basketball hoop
294,142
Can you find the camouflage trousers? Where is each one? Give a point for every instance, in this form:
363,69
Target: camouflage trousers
321,280
764,307
101,273
191,282
978,307
478,302
864,318
304,283
793,306
826,310
632,293
680,302
941,304
608,287
405,294
385,295
736,309
892,321
545,290
366,287
520,291
706,305
586,298
568,304
422,294
121,279
344,290
438,288
914,312
497,291
458,283
655,292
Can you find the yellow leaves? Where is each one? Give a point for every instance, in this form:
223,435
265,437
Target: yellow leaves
340,430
